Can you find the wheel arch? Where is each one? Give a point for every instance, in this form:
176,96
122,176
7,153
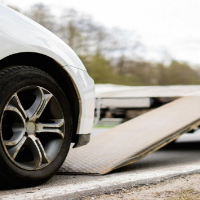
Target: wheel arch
54,69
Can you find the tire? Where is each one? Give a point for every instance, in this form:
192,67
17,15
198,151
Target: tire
36,127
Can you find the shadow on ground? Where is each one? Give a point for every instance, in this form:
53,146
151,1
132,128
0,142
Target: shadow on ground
170,155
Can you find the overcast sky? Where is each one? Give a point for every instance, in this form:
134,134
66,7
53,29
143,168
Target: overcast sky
168,28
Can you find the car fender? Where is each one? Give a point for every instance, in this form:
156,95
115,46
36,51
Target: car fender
19,34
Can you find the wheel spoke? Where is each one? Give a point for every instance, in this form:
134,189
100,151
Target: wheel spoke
17,136
17,103
17,128
51,127
13,108
14,150
47,98
39,108
32,144
37,104
45,158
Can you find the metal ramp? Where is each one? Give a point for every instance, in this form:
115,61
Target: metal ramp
135,139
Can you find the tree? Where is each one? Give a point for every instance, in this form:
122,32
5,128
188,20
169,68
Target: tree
110,54
161,74
42,15
14,8
182,73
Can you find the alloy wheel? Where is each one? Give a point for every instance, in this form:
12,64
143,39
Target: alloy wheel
32,128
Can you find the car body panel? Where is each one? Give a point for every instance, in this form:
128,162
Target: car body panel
24,35
20,34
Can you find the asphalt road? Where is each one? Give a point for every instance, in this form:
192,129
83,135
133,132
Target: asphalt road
174,160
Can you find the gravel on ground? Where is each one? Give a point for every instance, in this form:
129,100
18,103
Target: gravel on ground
179,188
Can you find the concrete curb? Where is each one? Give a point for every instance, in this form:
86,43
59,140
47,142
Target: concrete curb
106,184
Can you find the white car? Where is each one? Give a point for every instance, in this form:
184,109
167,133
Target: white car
46,101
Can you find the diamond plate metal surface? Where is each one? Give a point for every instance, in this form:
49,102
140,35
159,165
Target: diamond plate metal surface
135,139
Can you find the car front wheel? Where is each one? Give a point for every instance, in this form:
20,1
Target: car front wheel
36,126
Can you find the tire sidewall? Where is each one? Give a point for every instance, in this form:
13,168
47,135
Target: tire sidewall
8,86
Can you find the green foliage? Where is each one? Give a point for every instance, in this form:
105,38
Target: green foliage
181,73
102,71
99,68
130,72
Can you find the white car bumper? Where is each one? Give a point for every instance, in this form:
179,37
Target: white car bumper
86,91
